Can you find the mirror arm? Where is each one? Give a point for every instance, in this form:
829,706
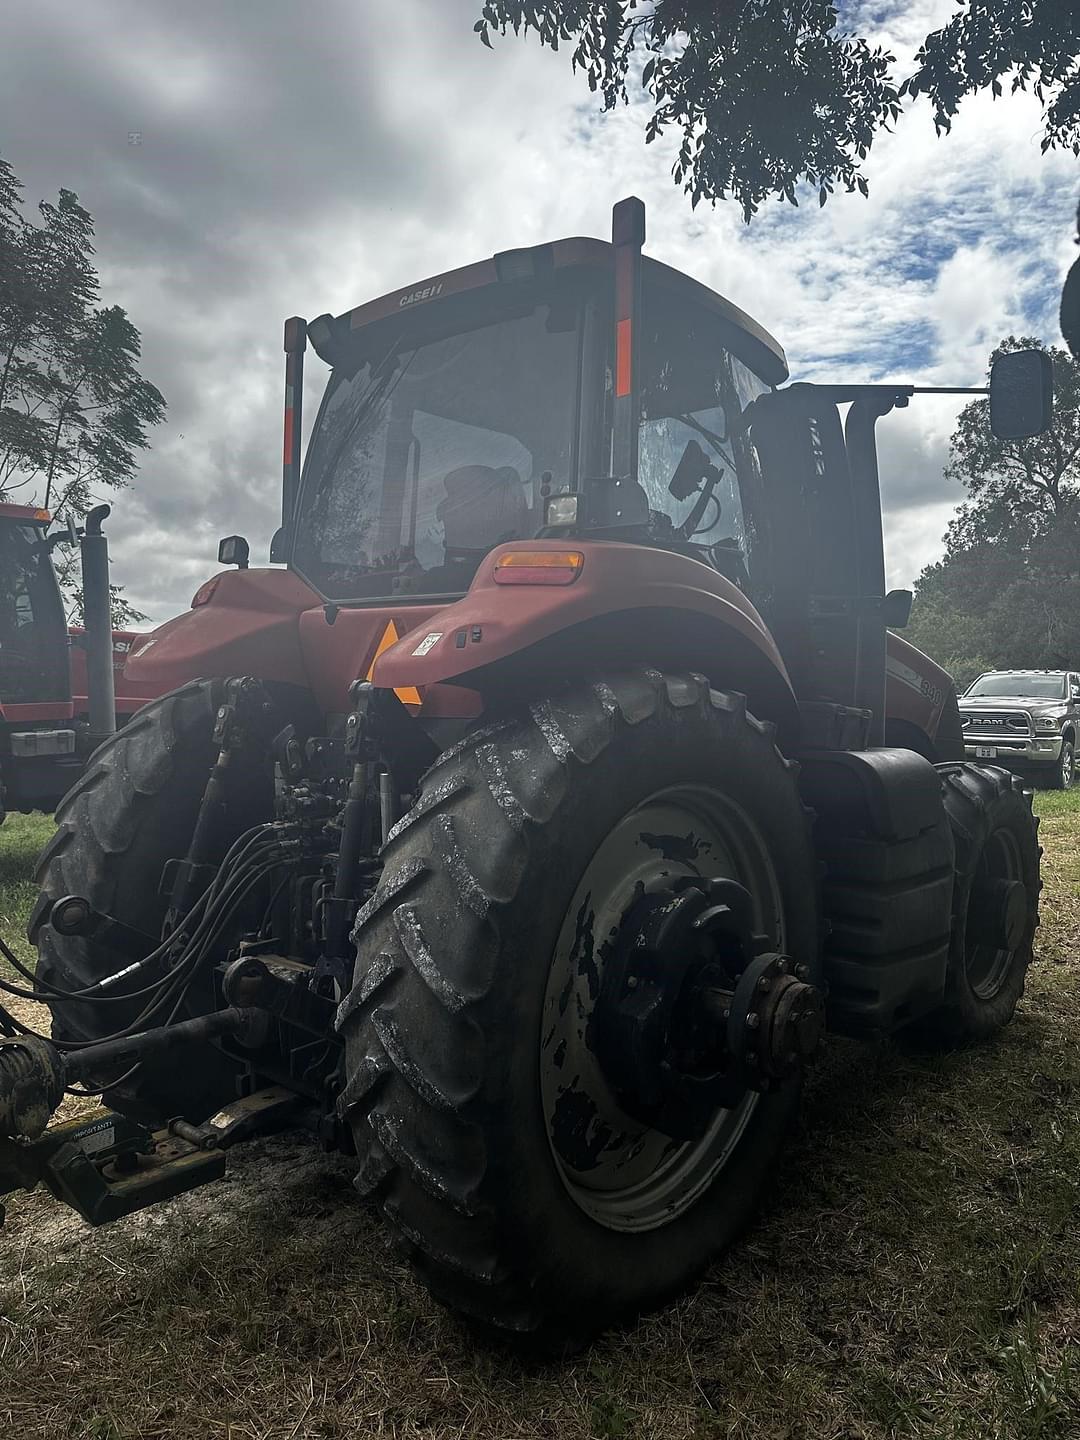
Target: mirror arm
949,390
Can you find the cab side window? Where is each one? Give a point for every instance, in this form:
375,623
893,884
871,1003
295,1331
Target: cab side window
695,461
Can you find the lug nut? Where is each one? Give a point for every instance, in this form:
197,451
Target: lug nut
753,1020
802,971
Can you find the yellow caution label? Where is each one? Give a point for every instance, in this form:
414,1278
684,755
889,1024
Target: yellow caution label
407,694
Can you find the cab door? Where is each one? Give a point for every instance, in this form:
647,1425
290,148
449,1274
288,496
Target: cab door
822,512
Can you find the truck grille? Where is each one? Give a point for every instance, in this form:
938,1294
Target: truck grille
1004,724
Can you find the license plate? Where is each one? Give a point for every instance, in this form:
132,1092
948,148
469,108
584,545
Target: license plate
986,752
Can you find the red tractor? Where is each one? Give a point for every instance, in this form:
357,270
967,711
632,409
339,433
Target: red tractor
524,834
59,693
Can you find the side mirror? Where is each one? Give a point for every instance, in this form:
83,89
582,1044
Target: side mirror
1021,394
233,550
692,468
896,609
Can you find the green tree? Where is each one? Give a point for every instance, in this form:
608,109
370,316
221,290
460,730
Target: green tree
74,409
1007,592
772,94
1032,483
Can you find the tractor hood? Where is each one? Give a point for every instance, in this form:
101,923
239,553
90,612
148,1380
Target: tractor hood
241,622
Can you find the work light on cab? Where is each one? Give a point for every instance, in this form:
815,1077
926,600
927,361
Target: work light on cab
562,510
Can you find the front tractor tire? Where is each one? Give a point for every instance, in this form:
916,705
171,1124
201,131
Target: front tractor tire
133,809
530,1193
995,900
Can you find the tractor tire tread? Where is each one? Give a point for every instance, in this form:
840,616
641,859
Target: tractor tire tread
970,791
430,1187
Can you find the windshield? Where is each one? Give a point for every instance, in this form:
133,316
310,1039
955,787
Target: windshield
1009,682
436,448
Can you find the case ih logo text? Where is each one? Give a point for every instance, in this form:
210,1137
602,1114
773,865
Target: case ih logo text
428,292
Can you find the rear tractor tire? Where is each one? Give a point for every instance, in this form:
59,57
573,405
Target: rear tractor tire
530,1194
995,900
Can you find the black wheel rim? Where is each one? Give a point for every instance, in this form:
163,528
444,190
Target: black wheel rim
987,965
642,1179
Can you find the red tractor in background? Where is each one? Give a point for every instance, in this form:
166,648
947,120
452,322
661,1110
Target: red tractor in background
62,688
524,834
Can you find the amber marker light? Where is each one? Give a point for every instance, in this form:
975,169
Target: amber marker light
538,567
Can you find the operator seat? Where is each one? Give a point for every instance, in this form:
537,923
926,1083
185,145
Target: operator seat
483,507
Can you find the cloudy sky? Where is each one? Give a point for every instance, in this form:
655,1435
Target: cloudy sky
300,159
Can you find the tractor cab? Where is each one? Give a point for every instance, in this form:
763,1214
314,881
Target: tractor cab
465,420
581,391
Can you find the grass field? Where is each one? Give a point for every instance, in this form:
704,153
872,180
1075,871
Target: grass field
915,1273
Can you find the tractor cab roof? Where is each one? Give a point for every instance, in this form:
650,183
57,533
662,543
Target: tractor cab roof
581,252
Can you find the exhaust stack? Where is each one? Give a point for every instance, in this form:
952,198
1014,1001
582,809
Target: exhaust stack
295,345
97,613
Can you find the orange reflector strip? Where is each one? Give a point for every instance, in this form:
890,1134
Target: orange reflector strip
42,515
623,376
538,567
407,694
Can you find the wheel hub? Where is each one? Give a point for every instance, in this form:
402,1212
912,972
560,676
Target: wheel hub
692,1012
998,912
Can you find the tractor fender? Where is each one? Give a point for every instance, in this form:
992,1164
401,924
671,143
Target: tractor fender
241,622
627,604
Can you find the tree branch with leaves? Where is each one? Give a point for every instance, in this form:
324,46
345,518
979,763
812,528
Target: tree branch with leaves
772,95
